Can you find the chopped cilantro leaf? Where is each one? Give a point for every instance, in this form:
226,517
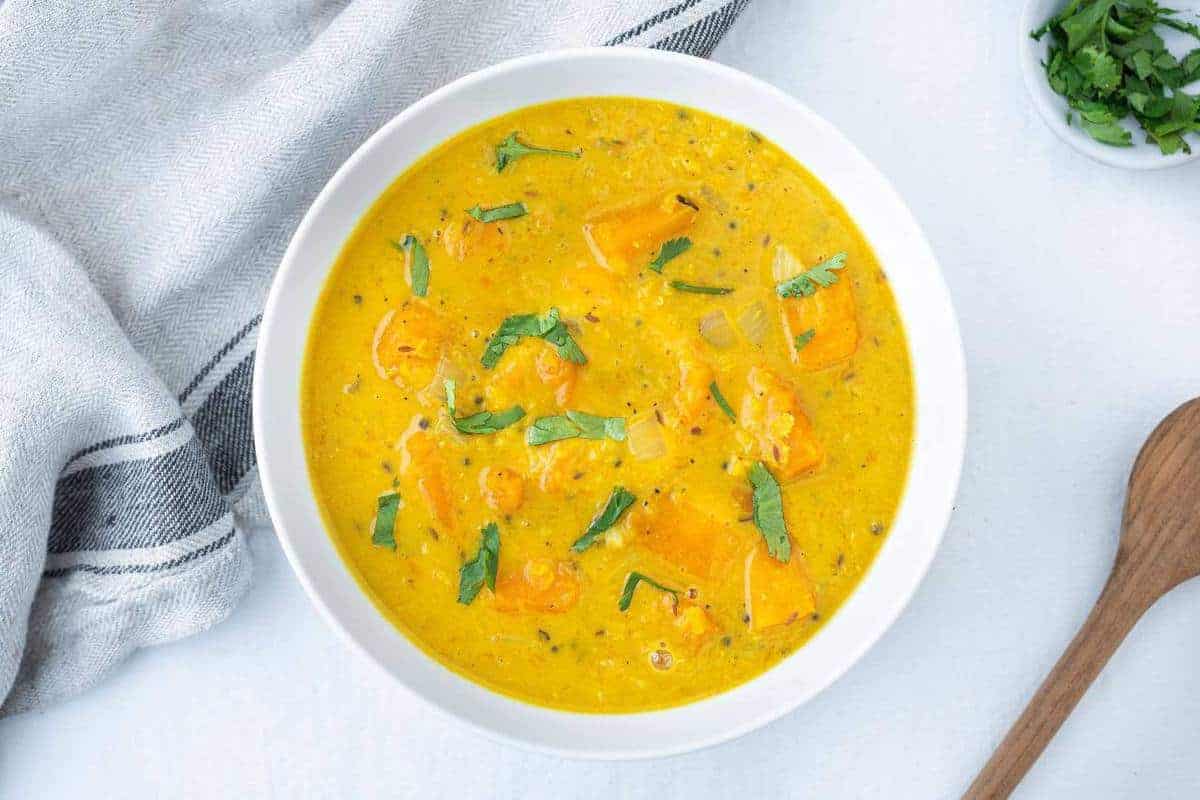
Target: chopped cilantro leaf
418,263
631,583
1110,63
618,501
549,328
575,425
804,338
510,211
482,568
671,249
768,512
483,421
512,148
806,283
384,532
681,286
721,401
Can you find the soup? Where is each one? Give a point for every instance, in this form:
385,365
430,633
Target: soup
607,404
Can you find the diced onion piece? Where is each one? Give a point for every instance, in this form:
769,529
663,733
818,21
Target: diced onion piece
717,331
443,426
593,246
615,537
375,340
754,323
714,199
448,370
435,393
785,265
646,439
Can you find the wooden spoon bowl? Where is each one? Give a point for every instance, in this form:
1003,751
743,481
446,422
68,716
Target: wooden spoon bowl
1159,549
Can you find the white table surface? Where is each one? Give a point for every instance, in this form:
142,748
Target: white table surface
1078,290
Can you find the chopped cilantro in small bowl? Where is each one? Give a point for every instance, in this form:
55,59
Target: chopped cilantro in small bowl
1118,80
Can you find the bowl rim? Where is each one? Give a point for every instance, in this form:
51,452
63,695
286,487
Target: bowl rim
1053,109
950,422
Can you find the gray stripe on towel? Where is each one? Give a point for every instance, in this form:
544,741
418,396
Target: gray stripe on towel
216,359
153,501
127,569
225,427
661,16
144,503
701,37
116,441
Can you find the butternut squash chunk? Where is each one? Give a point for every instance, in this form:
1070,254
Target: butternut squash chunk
695,625
464,238
541,585
682,535
555,465
588,285
674,622
408,344
777,593
783,432
503,489
830,314
693,400
627,238
556,373
533,375
421,459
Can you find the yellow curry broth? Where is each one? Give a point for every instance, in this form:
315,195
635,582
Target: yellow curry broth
370,427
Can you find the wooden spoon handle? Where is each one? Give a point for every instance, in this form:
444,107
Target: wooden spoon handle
1117,610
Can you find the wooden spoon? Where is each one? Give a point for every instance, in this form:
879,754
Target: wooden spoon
1159,549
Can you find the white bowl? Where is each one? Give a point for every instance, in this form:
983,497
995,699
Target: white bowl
924,304
1053,107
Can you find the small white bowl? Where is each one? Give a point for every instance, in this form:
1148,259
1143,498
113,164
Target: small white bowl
924,304
1053,107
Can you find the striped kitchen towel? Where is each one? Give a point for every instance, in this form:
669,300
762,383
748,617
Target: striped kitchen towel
155,158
